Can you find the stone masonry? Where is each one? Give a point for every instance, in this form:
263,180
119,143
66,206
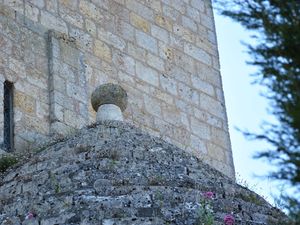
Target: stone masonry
162,52
115,174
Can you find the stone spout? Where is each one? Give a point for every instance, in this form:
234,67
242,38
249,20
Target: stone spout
109,101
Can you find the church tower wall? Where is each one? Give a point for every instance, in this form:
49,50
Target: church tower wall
162,52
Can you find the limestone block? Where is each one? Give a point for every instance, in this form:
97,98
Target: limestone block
52,6
137,52
17,66
188,93
126,79
90,26
184,119
152,105
220,94
39,3
71,17
52,22
216,63
155,62
125,30
32,12
187,22
164,22
83,39
168,84
154,4
208,22
62,69
206,73
69,3
200,129
185,62
179,74
193,13
184,106
184,33
147,74
124,62
82,109
17,5
207,117
140,9
111,39
203,86
216,153
159,33
139,22
34,126
27,104
197,53
76,92
179,5
102,50
146,41
71,118
212,37
42,110
172,14
5,45
90,10
219,137
59,84
198,5
212,105
198,144
162,95
36,78
60,129
171,114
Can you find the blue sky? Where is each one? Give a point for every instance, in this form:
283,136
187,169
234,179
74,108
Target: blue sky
246,108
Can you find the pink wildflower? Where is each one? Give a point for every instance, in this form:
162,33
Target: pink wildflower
229,219
208,195
30,215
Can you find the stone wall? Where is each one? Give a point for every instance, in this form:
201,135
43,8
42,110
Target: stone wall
163,52
115,174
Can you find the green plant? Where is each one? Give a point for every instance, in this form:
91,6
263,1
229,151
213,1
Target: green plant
205,215
112,164
55,183
159,196
156,180
6,162
205,211
250,197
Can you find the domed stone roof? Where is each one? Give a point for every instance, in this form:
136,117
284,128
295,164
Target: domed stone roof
113,173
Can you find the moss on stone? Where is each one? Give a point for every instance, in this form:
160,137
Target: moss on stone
6,162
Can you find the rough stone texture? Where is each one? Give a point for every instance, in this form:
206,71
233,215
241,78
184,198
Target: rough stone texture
162,52
109,94
68,89
113,173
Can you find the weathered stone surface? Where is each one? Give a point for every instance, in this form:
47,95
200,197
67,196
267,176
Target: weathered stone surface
109,112
109,94
2,152
113,173
160,51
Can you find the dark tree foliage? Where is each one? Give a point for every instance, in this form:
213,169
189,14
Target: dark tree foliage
277,54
